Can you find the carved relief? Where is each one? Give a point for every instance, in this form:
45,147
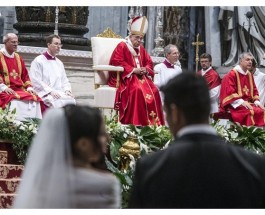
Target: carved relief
176,28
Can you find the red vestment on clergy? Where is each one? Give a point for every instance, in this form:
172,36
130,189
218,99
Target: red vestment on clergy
137,98
212,78
14,74
238,86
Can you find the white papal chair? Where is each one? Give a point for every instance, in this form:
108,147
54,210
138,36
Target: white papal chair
102,47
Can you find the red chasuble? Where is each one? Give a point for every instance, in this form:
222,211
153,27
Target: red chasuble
212,78
14,74
137,98
235,86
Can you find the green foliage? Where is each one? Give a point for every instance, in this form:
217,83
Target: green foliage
249,137
18,132
150,139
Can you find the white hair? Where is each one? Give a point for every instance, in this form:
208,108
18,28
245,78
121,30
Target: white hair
8,36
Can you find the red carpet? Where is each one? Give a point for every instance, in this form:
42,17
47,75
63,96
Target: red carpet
10,173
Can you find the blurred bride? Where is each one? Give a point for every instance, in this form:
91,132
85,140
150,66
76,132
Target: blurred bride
65,166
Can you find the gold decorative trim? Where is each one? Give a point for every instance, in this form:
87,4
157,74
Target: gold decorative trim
108,33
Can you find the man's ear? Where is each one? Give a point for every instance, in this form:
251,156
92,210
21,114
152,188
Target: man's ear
174,113
177,116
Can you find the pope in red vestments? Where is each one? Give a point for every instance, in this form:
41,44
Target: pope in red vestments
239,94
137,98
14,79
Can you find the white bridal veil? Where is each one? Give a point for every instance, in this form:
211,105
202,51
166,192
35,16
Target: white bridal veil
46,180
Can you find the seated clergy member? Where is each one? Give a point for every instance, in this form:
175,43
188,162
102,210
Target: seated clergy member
213,80
169,68
239,94
15,85
137,98
49,78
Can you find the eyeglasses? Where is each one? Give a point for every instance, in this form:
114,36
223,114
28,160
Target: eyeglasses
58,44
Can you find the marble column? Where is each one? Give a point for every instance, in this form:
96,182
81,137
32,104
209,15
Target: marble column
151,33
212,34
8,15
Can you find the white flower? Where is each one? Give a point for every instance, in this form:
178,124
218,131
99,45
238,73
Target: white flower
31,127
17,123
132,162
234,135
166,145
22,127
145,148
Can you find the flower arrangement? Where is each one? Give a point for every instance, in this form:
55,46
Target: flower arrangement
20,133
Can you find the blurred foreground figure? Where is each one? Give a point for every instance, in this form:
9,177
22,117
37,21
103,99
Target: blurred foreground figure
65,166
199,169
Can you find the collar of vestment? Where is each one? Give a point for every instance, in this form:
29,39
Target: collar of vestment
196,128
240,70
49,56
204,71
4,51
131,48
168,64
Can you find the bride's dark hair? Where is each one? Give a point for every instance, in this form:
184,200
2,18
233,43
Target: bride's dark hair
85,121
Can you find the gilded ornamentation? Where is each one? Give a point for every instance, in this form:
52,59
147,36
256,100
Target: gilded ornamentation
108,33
130,147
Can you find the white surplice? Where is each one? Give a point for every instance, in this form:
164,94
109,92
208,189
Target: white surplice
49,75
259,79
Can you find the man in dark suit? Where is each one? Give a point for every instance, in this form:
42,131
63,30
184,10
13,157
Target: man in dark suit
198,170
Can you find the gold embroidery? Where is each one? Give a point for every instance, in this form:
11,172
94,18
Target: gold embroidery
234,95
152,114
239,90
252,116
246,90
18,64
14,74
142,81
26,83
148,96
5,69
251,84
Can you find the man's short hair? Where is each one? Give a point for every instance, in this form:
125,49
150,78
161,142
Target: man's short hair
244,54
50,38
167,49
205,55
190,93
7,37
